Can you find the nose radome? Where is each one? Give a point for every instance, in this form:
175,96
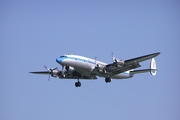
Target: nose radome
58,60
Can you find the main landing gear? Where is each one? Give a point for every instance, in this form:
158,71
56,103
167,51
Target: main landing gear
78,84
108,80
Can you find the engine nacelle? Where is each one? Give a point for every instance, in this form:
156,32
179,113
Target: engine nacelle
69,69
54,73
97,66
119,62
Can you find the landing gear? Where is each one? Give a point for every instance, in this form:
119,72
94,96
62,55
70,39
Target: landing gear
63,76
63,70
78,84
108,80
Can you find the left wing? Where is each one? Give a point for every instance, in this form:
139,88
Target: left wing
116,68
54,72
41,72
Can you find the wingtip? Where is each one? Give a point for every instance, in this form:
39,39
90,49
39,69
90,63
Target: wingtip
32,72
157,53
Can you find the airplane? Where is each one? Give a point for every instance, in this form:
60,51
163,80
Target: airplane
80,67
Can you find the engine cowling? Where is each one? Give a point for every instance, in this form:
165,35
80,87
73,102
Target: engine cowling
54,73
69,69
119,62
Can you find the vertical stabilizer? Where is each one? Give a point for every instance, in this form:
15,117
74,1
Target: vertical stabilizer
153,67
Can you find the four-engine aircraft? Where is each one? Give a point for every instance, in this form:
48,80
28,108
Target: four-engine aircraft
79,67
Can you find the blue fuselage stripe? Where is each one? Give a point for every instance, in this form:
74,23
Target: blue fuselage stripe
72,58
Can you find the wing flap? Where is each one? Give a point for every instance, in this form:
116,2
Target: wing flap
125,68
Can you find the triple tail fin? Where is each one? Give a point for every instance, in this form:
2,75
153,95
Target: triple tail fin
152,69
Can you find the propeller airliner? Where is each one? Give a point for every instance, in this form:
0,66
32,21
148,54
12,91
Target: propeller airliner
79,67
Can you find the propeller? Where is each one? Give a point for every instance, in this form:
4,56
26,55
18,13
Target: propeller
96,65
113,58
117,61
51,71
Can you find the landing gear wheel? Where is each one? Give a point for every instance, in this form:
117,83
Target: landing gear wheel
78,84
108,80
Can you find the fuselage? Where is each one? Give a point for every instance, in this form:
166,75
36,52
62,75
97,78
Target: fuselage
86,66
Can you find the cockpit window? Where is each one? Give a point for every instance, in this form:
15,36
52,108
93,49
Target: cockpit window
63,56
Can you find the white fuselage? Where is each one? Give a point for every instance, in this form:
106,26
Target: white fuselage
86,66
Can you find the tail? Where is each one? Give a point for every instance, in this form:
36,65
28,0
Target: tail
152,69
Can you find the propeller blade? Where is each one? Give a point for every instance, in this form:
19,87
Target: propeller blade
50,71
49,78
113,58
96,65
95,61
54,68
47,68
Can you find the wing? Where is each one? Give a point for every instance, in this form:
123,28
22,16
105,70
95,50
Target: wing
142,58
81,77
114,68
41,72
73,75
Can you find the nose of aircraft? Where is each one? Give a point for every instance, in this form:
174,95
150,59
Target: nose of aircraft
59,60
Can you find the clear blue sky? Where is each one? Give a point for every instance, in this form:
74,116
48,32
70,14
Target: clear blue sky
35,33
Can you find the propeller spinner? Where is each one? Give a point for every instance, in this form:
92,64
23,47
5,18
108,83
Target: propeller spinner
52,71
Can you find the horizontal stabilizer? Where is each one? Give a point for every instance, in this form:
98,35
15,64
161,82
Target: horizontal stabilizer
141,71
152,69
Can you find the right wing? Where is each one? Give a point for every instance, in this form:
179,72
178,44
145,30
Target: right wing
129,64
142,58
